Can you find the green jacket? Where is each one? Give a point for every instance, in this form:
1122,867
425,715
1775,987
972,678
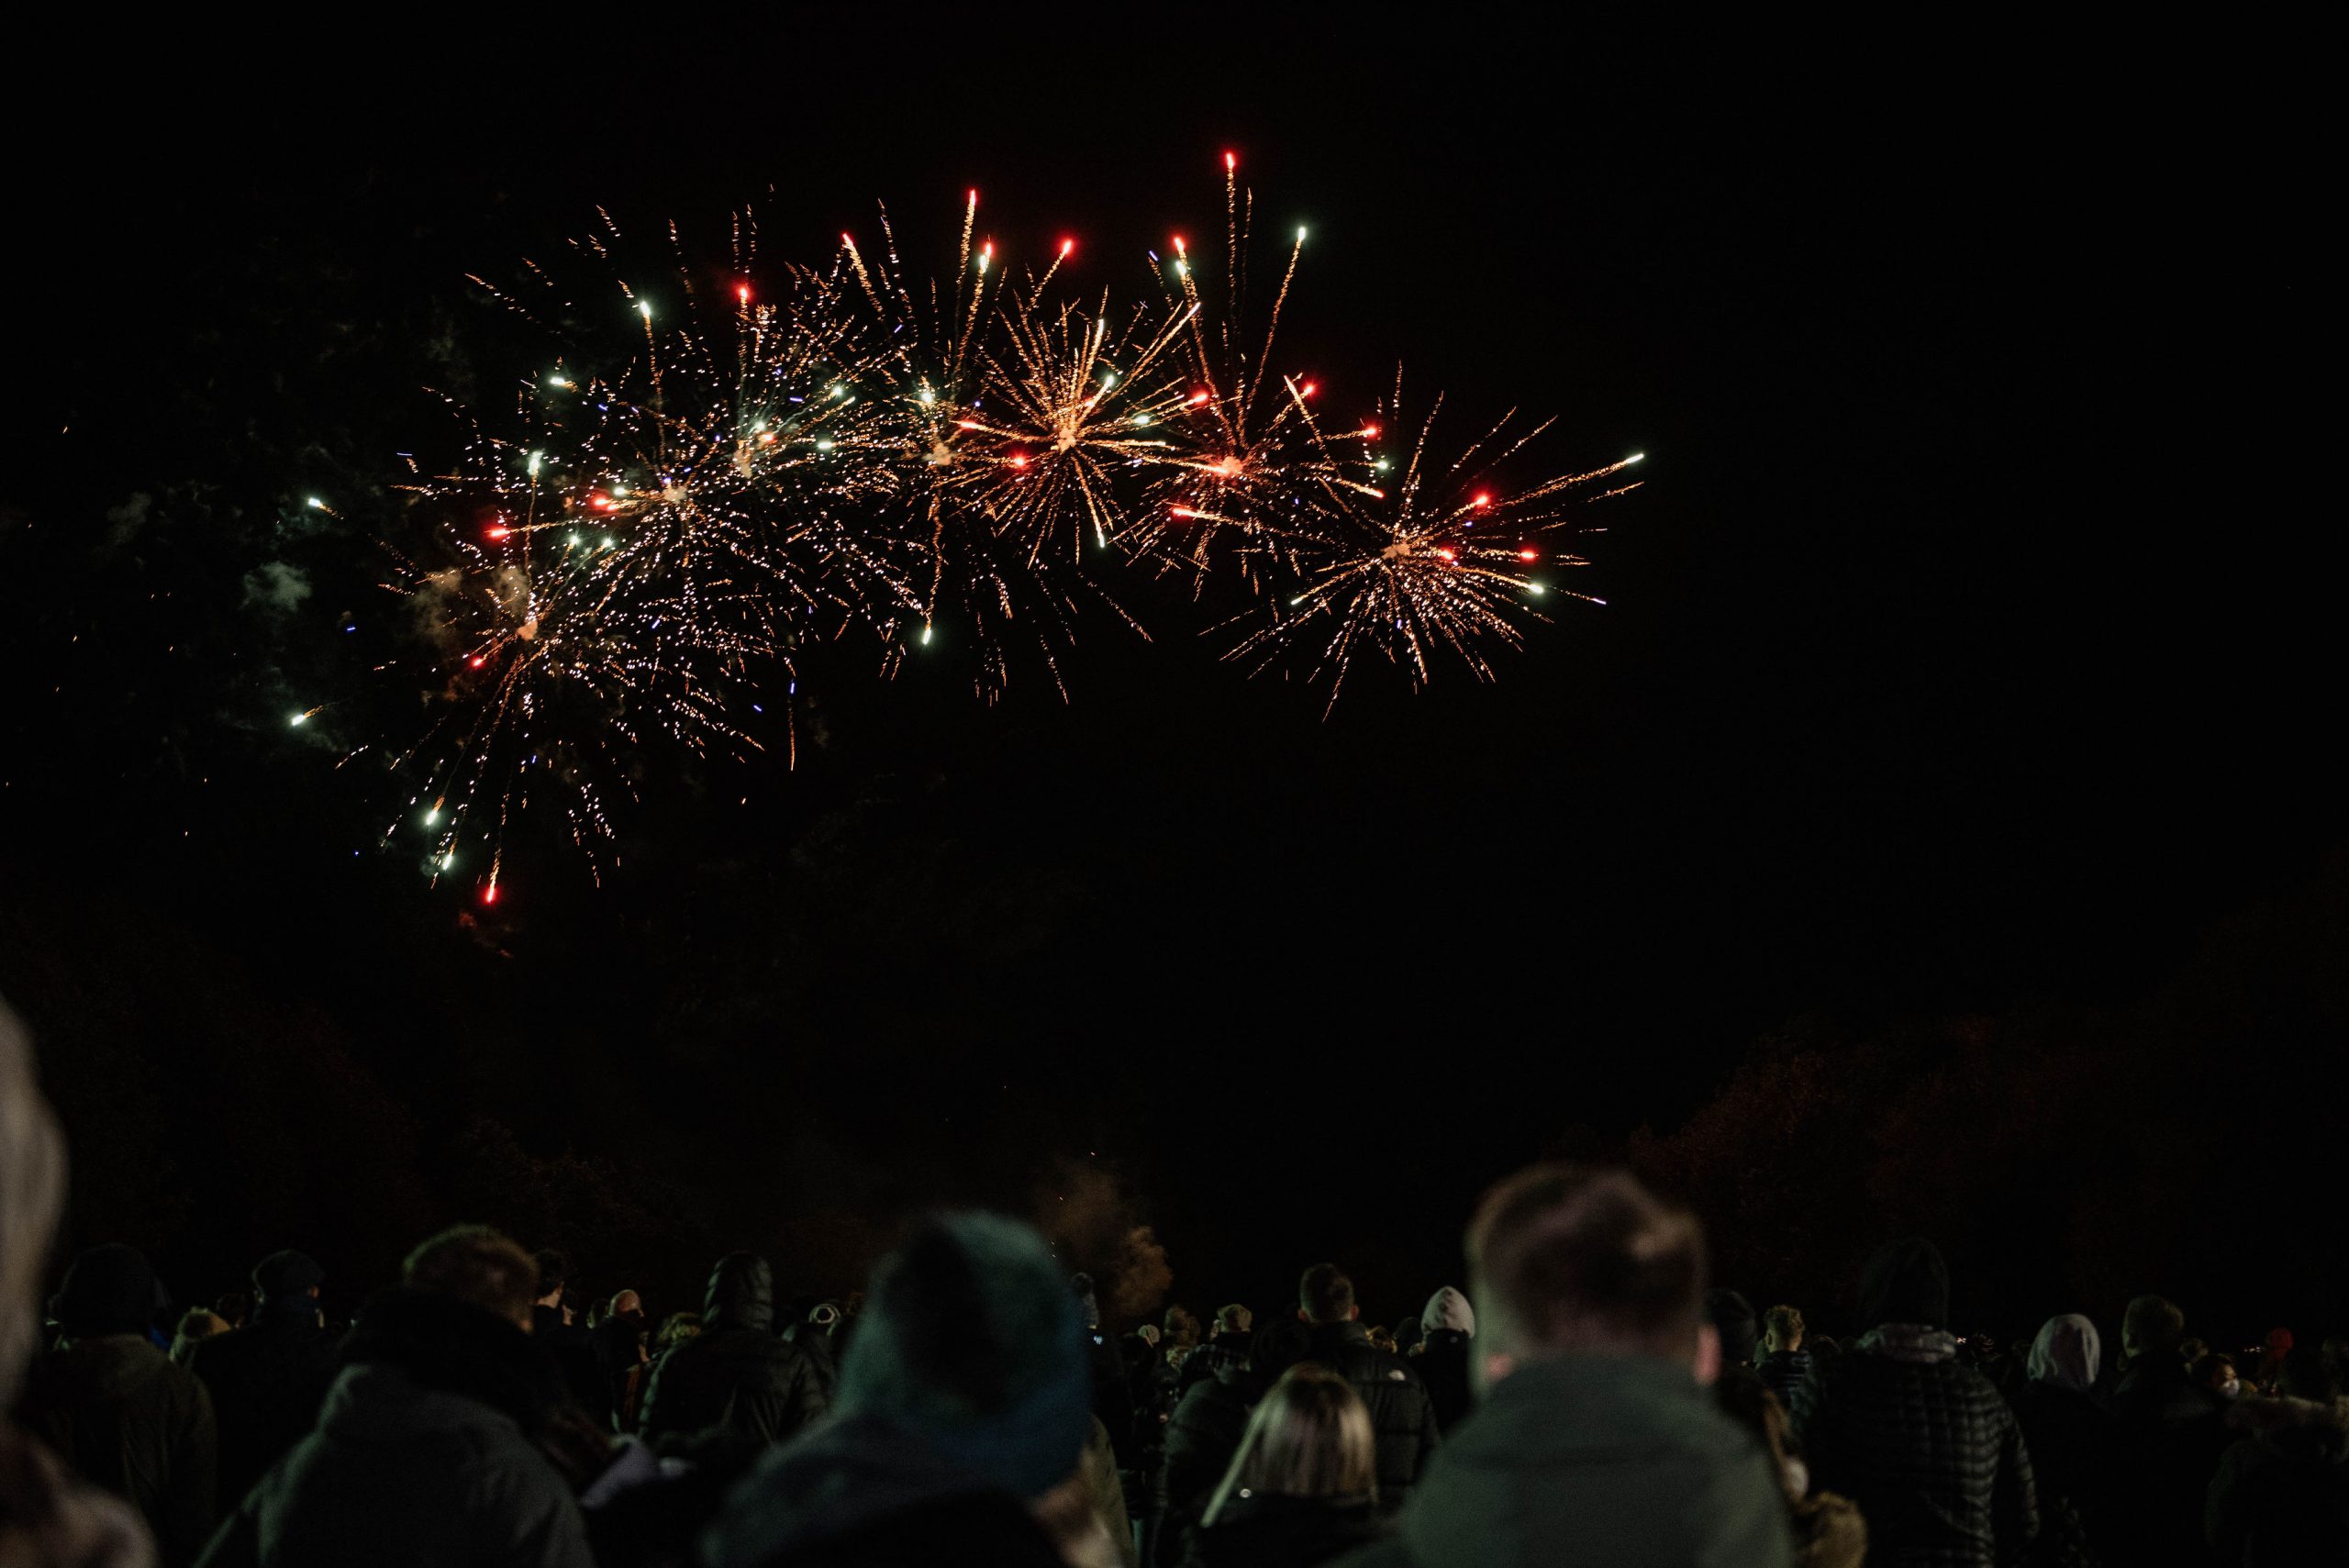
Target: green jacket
116,1410
1592,1462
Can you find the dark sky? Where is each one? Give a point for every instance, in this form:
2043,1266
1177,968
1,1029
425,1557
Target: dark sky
1971,642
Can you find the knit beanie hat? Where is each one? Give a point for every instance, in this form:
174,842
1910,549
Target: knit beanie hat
1905,1282
287,1273
1447,1308
109,1290
970,1341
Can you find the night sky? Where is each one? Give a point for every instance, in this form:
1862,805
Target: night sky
1971,647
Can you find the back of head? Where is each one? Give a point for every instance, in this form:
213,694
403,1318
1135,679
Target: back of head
2151,1326
287,1277
1731,1316
740,1294
1325,1295
1905,1282
478,1266
554,1270
109,1290
2066,1353
1448,1309
1233,1320
1785,1326
32,1190
1277,1346
1310,1437
1568,1261
970,1339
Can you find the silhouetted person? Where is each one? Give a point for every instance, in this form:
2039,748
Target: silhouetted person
115,1407
47,1518
1302,1487
1400,1412
1446,1326
269,1378
2170,1436
1783,1362
1917,1439
571,1345
2281,1495
963,1417
1227,1342
1594,1442
618,1344
1208,1424
735,1374
424,1452
2069,1437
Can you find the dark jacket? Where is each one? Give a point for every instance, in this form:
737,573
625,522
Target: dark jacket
1927,1449
617,1342
1223,1351
268,1381
1601,1462
574,1350
861,1492
2169,1437
1201,1438
2282,1496
117,1411
1442,1364
2069,1437
422,1455
1401,1414
1780,1370
735,1374
1269,1530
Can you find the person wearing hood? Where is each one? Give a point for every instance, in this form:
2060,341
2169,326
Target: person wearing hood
117,1409
48,1519
429,1448
2281,1493
736,1374
269,1378
1919,1440
2069,1437
1445,1328
1400,1412
964,1416
1596,1440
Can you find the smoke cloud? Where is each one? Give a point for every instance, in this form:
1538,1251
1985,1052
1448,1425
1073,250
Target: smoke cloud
1095,1226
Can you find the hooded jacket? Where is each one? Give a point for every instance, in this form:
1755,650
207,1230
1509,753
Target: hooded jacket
1601,1462
735,1374
116,1410
422,1455
1401,1414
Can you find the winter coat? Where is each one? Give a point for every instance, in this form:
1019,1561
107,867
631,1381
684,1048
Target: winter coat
1927,1449
618,1343
2169,1437
267,1381
735,1374
1401,1414
1201,1440
573,1349
1223,1351
423,1455
125,1418
1600,1462
2281,1497
1441,1362
1269,1531
862,1493
1780,1370
2069,1437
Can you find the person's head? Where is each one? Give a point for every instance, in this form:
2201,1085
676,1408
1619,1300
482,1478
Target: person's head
234,1305
1382,1338
1088,1300
1732,1319
109,1290
1233,1320
676,1328
628,1304
198,1324
1148,1334
286,1284
2216,1374
1326,1296
1181,1326
1447,1310
1905,1282
1567,1260
1782,1329
32,1191
2066,1353
479,1266
554,1276
971,1343
1310,1437
2151,1327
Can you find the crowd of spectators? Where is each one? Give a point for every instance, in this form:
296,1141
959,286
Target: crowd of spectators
1585,1398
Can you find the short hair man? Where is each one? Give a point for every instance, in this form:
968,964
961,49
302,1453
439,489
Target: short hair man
1589,1297
269,1378
1784,1364
1401,1414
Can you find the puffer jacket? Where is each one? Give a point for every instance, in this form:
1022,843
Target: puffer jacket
1201,1438
1927,1449
1401,1414
735,1374
1780,1370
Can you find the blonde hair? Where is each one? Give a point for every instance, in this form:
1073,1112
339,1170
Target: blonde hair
1310,1437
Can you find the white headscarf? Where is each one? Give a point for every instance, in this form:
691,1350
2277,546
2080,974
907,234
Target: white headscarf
2066,1353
